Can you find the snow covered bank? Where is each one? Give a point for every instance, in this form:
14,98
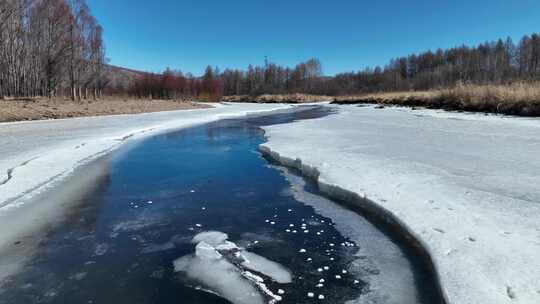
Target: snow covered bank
465,185
35,156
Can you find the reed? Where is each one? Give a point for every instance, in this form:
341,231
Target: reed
514,99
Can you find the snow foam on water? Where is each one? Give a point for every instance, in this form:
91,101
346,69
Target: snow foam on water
218,264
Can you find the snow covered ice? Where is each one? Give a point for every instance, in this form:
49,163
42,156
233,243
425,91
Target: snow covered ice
465,185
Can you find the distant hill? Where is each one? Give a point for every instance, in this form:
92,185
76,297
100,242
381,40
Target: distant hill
121,78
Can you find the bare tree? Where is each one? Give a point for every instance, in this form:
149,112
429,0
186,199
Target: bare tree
46,44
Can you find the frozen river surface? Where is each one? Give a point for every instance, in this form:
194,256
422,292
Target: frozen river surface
198,216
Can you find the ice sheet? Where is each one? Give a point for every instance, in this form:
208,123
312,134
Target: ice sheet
466,185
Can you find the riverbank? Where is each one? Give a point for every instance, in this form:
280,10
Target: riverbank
43,108
521,99
464,185
277,98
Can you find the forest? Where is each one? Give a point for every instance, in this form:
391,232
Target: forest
50,48
268,79
53,48
499,62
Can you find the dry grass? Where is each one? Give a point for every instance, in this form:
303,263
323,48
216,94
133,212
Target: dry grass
400,98
517,99
35,109
283,98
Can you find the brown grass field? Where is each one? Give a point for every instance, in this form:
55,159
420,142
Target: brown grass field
521,99
36,109
278,98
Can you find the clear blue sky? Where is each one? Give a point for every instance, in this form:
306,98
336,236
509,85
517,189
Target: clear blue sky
346,35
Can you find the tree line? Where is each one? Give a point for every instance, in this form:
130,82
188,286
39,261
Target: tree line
55,48
50,48
272,78
268,79
496,62
175,85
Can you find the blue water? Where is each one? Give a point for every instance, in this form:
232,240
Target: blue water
119,244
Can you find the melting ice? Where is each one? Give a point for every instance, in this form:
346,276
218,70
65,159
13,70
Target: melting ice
231,271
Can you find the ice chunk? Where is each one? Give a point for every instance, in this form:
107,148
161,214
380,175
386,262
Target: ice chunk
210,268
260,284
205,251
213,238
269,268
227,246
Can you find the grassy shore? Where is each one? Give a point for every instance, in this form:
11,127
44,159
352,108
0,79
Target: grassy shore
278,98
35,109
521,99
517,99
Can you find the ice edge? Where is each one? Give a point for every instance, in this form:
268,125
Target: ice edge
366,205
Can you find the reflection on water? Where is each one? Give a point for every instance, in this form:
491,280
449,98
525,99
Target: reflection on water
121,243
